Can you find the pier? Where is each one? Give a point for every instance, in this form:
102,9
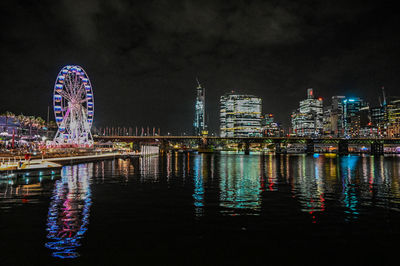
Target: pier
85,157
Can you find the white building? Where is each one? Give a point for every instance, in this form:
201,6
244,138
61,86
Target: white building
240,115
307,120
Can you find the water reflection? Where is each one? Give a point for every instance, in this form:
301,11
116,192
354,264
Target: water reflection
24,189
350,183
309,183
240,184
149,168
198,185
68,215
296,189
349,173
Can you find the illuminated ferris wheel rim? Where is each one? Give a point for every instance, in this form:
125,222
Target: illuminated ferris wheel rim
73,104
59,85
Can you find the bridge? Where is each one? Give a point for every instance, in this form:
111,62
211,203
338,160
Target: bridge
376,145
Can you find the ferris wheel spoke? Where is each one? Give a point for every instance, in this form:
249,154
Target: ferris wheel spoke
66,95
75,113
82,91
68,84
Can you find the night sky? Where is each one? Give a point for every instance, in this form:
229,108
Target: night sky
143,57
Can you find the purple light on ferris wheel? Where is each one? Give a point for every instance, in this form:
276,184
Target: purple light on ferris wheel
72,101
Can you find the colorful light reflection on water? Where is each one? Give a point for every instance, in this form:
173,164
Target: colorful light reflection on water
69,211
201,195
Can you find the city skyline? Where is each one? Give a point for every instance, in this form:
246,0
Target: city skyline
143,58
187,132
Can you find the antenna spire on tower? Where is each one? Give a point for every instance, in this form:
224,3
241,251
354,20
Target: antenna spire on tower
198,82
384,96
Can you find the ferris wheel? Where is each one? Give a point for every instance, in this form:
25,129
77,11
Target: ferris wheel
73,106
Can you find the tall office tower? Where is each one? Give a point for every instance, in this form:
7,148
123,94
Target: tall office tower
353,118
307,120
386,117
199,124
327,121
337,116
379,119
393,113
240,115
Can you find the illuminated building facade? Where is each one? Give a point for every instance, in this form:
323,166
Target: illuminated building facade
240,115
366,127
337,116
353,120
307,120
393,111
327,121
199,124
347,117
270,128
378,119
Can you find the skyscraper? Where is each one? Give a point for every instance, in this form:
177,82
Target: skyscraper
337,115
240,115
394,117
354,116
199,124
307,120
333,117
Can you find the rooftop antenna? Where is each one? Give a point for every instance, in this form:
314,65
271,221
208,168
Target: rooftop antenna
198,82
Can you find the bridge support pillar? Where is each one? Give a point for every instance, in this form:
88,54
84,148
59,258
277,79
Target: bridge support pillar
278,148
247,148
164,146
310,147
343,147
377,148
203,145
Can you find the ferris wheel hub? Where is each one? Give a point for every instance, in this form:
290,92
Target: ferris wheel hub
73,106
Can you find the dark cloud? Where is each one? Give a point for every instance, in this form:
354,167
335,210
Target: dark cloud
143,57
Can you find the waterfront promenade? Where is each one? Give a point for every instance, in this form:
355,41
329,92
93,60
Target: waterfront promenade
68,159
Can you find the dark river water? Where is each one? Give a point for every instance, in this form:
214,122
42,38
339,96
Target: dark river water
206,209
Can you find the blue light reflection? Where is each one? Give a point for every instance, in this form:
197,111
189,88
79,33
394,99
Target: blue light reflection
69,211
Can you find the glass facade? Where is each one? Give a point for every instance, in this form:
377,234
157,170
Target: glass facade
394,118
270,128
240,115
352,121
307,120
199,124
